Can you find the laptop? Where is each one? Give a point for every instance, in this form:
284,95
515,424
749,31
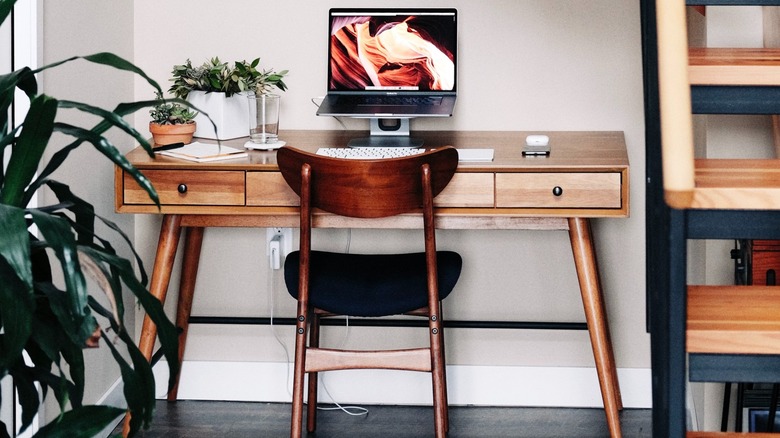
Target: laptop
391,63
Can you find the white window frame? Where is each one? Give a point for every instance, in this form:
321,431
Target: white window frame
20,42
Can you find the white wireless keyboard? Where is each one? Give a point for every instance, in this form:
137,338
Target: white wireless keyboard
369,153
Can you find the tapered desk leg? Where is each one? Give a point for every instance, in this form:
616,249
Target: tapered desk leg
170,232
596,317
193,241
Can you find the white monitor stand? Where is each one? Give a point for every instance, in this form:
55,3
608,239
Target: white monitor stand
387,133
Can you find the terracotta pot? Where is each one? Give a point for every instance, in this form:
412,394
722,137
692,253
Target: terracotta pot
169,134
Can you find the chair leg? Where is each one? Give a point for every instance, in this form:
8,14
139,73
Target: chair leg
446,407
314,341
438,379
299,374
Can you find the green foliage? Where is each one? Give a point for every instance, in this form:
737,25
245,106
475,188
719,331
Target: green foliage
217,76
49,321
167,112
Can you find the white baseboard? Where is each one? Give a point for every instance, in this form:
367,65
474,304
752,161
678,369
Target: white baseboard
467,385
113,397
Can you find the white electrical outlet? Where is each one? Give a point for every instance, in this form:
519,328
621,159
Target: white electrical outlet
286,239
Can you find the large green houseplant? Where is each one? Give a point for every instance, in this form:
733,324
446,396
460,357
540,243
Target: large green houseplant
45,323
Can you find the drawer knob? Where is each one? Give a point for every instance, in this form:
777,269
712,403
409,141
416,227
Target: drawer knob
182,188
557,191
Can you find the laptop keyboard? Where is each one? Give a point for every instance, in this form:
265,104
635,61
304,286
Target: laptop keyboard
390,100
369,153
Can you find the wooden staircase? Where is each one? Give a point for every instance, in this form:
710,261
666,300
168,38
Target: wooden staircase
705,333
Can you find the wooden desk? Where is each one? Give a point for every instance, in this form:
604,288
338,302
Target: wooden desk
588,171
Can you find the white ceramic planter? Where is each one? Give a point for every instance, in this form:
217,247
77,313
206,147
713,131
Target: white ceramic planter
230,114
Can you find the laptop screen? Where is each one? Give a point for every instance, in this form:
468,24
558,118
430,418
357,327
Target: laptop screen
398,51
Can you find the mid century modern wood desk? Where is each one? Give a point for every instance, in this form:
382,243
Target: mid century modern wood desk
585,176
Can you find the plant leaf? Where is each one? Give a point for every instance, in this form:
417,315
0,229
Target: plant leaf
138,383
25,81
74,356
83,422
43,347
108,59
28,150
28,397
58,236
58,343
4,430
15,243
15,316
6,6
112,274
102,145
108,116
166,331
85,226
16,290
78,326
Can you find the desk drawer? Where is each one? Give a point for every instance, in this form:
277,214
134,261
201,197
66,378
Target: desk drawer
211,187
577,190
269,189
467,190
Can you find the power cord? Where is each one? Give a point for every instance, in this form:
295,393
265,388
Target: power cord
349,410
275,264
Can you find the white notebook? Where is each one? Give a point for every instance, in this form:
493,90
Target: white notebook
203,152
475,154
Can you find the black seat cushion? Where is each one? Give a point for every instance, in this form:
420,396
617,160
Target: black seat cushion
371,284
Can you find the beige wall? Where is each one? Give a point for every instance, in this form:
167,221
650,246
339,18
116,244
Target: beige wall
524,65
80,28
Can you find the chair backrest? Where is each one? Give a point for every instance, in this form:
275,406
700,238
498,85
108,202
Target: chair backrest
367,188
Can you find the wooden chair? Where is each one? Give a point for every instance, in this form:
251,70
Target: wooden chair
368,285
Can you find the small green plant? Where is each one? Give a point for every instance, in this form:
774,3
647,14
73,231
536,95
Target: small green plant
171,113
217,76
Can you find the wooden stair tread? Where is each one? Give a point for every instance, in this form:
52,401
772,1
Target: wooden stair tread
733,319
737,66
735,184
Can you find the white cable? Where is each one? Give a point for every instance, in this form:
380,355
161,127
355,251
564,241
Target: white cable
355,411
271,304
272,281
349,410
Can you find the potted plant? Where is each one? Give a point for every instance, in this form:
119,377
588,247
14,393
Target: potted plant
220,90
171,122
45,324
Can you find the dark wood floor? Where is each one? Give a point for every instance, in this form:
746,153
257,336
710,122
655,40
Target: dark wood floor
197,419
